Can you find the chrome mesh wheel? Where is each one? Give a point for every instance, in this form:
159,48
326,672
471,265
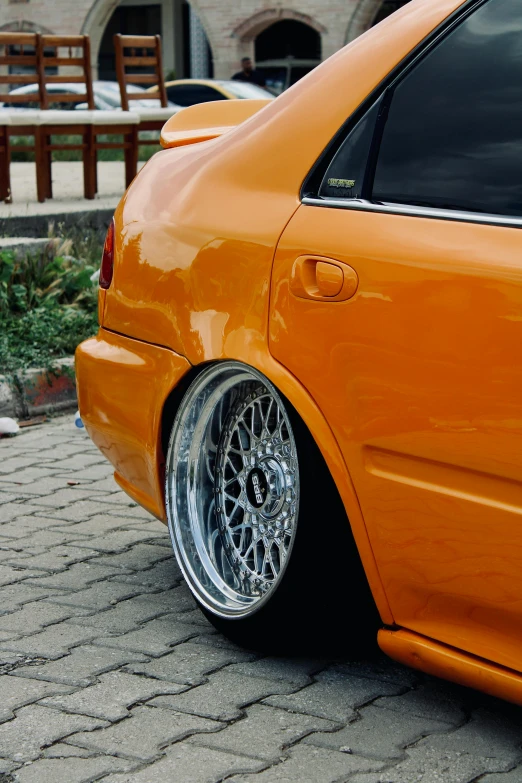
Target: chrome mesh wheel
232,489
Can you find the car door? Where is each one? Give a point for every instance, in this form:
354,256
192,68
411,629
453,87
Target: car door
397,302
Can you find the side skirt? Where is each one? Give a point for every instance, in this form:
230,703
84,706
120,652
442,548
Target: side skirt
431,657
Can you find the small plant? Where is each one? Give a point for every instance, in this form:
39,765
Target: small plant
41,336
48,303
44,281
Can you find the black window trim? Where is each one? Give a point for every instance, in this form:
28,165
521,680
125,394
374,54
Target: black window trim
385,92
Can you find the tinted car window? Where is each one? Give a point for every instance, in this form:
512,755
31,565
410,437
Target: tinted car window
17,105
189,94
453,137
344,177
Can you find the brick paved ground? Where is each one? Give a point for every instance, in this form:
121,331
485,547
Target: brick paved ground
108,672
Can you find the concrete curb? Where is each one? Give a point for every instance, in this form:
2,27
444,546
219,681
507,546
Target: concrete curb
38,225
36,391
23,246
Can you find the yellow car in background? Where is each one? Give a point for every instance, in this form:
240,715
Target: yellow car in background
187,92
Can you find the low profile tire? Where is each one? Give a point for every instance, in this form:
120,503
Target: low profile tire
256,521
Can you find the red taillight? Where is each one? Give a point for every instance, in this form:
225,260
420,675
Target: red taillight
107,264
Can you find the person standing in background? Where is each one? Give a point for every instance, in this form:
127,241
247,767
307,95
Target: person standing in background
249,74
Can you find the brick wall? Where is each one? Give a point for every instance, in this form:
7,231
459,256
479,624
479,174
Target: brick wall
55,16
231,25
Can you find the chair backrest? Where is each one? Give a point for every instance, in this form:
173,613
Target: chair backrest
62,54
139,53
19,61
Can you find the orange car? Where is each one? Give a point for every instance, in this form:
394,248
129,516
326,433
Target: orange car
311,312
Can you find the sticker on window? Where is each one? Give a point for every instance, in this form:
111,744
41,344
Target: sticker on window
333,182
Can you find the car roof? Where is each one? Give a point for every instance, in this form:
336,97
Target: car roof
214,83
114,86
29,89
209,82
226,87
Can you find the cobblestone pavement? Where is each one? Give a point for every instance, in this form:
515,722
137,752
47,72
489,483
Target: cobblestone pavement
109,672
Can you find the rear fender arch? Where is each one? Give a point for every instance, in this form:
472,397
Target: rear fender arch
313,418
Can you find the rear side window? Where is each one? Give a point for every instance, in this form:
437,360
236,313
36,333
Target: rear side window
344,177
448,134
189,94
453,136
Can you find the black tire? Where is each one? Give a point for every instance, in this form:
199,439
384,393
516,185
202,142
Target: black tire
335,612
321,603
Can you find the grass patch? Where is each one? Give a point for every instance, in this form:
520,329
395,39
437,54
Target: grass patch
48,303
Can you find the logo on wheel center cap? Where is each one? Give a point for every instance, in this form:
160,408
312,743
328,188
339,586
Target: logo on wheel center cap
256,487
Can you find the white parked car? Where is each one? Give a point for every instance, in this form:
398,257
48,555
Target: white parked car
31,90
110,92
106,96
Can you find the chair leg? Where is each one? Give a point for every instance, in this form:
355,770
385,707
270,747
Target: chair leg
131,155
5,178
89,163
42,187
48,159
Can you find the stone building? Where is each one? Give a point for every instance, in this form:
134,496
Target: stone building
205,37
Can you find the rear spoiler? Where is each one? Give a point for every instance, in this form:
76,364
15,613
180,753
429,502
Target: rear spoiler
205,121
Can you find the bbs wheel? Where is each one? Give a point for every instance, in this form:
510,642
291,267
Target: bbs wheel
241,493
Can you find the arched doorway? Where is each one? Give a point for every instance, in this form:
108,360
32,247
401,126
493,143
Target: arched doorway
180,23
288,38
286,51
23,26
127,20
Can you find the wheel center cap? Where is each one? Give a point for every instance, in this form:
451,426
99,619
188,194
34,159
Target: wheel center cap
257,487
265,487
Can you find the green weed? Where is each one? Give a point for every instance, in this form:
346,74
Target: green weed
48,303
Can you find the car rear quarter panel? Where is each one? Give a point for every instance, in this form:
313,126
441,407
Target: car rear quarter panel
197,231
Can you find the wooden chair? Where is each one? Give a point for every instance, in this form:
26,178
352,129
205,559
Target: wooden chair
18,51
135,54
66,53
5,183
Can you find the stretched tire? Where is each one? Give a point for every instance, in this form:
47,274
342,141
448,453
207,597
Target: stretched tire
256,521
